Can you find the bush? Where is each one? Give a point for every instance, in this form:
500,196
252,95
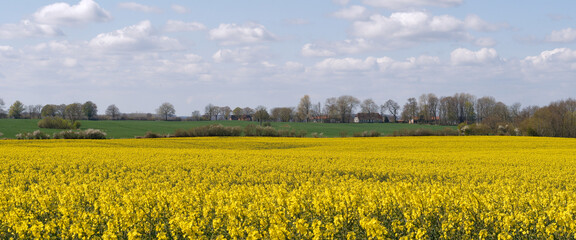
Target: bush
86,134
370,133
317,135
152,135
33,135
426,132
58,123
250,130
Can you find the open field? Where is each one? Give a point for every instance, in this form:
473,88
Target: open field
289,188
130,129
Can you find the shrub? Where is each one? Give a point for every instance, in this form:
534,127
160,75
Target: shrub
370,133
94,134
426,132
343,134
317,135
86,134
58,123
33,135
150,134
250,130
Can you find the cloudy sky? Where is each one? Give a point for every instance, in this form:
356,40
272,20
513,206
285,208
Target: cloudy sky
139,54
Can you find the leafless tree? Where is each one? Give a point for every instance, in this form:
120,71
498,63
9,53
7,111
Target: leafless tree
304,109
113,112
370,107
166,110
484,107
330,109
211,111
225,111
410,110
346,105
392,107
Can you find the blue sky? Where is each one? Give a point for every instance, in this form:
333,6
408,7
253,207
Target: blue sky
139,54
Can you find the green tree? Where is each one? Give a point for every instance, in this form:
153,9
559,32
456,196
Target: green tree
261,114
16,110
49,110
73,111
90,110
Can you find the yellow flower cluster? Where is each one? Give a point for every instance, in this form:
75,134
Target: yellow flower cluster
287,188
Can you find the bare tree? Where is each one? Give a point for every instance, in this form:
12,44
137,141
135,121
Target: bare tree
433,103
166,110
392,107
112,111
369,107
317,111
304,109
484,107
410,110
196,116
225,111
346,105
211,111
331,109
248,113
466,112
34,111
1,106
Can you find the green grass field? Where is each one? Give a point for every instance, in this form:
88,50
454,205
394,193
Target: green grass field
131,129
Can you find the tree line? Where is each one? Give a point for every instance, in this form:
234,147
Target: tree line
483,116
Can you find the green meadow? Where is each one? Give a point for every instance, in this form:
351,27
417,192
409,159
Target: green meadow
132,128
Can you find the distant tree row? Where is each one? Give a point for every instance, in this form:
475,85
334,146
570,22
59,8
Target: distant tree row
483,115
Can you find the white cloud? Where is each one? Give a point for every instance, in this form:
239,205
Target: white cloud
312,50
463,56
293,66
405,27
353,12
64,14
180,26
566,35
296,21
555,56
232,34
26,29
180,9
485,42
341,2
139,7
8,52
411,4
133,38
328,49
474,22
346,64
244,55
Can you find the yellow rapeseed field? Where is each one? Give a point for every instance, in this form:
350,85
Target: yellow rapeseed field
289,188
